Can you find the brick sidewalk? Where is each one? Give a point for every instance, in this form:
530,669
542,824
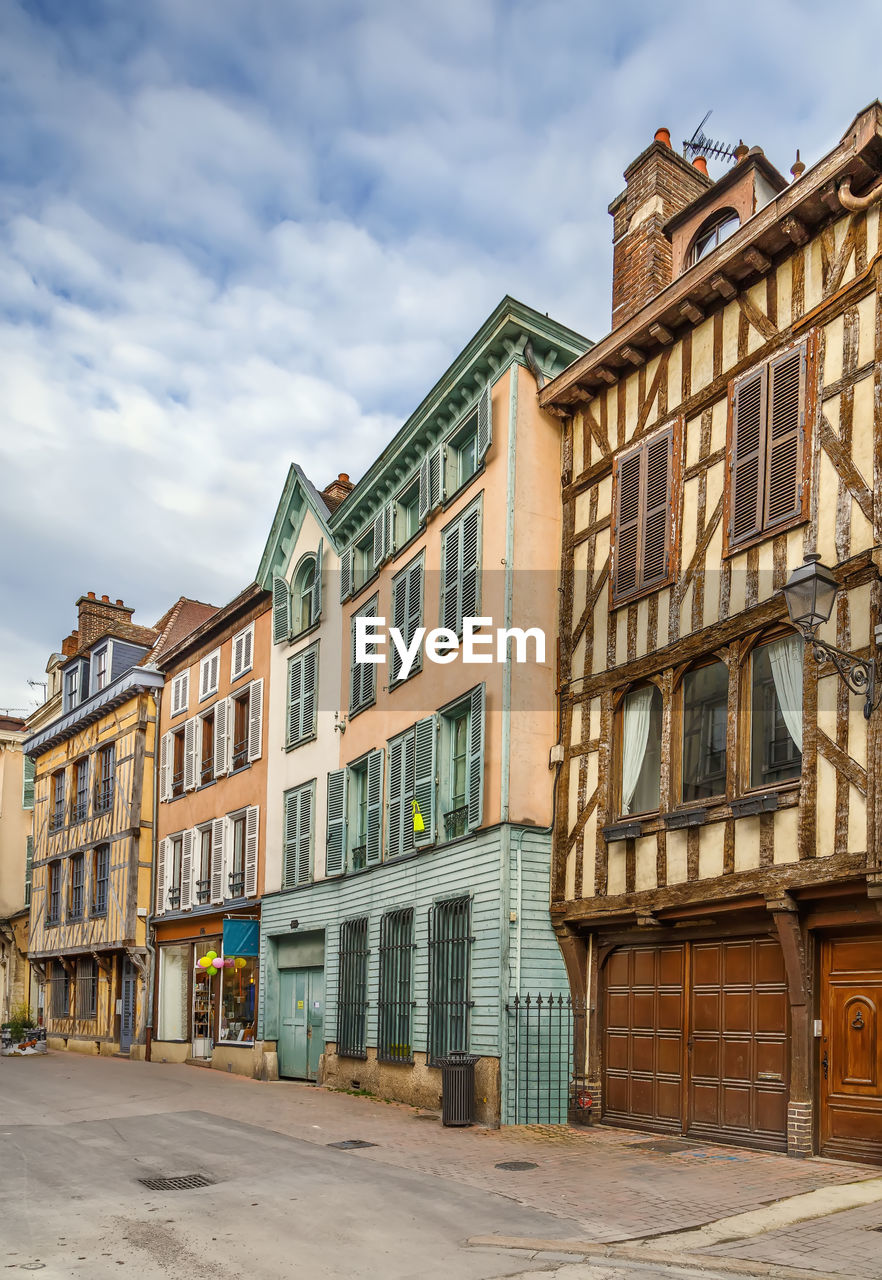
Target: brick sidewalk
843,1244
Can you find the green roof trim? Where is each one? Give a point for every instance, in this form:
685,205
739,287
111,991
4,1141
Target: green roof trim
298,495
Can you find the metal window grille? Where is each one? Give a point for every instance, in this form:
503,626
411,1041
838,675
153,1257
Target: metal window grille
450,943
541,1031
54,912
456,822
203,891
101,874
352,989
59,994
87,989
396,1003
77,879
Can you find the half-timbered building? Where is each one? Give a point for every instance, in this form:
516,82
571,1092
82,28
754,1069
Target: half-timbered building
94,827
717,858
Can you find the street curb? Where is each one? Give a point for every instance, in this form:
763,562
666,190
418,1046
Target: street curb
636,1253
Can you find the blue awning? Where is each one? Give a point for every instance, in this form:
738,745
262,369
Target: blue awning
241,937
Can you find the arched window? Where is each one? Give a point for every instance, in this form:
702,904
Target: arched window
776,710
640,722
719,226
301,596
705,717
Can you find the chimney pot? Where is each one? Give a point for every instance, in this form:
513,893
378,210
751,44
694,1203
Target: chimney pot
91,595
106,599
663,136
344,476
741,150
119,602
700,164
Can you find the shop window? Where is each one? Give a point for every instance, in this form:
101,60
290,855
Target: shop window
776,711
352,990
174,987
100,878
239,1000
705,719
450,944
640,723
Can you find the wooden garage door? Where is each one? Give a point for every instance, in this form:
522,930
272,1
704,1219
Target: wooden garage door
695,1040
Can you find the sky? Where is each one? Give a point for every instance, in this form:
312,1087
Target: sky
240,233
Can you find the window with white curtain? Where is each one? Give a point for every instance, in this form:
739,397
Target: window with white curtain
174,977
640,738
776,711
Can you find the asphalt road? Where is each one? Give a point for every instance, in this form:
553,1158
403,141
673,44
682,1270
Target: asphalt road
77,1137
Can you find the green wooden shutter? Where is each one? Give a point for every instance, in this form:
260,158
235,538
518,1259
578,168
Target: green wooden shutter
291,818
476,757
656,509
437,476
316,602
379,554
346,573
424,500
784,438
407,791
390,528
335,848
374,850
424,778
414,609
394,834
295,698
309,690
627,521
27,783
281,609
450,579
485,423
747,457
399,620
471,559
304,836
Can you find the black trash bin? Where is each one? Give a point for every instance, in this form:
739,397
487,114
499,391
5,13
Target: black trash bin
458,1088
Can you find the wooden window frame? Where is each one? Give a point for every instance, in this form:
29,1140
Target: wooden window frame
664,800
810,345
745,716
677,725
674,428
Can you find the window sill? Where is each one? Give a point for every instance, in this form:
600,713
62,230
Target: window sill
203,786
620,602
622,831
678,819
292,746
406,546
358,710
236,678
460,490
301,635
364,586
766,535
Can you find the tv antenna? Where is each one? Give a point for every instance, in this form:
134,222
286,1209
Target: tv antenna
701,145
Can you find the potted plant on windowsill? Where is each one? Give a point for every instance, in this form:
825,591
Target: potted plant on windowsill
20,1036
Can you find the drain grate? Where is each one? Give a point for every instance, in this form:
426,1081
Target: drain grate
188,1182
351,1144
517,1166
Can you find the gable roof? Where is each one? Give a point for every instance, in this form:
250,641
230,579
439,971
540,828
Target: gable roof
298,495
181,619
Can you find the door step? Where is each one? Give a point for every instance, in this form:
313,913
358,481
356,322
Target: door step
198,1062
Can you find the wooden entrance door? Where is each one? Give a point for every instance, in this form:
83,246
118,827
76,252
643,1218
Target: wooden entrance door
695,1040
851,1049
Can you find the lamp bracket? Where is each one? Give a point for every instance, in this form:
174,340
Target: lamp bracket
859,674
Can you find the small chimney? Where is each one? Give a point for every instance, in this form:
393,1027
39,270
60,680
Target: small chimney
337,490
660,183
97,616
70,644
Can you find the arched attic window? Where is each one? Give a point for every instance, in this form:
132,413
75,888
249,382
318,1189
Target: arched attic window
302,595
718,227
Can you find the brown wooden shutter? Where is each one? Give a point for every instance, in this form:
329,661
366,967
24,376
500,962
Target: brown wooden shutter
656,509
786,420
627,539
746,464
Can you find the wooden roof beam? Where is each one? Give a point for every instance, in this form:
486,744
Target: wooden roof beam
691,311
632,354
661,334
795,229
723,285
606,374
760,261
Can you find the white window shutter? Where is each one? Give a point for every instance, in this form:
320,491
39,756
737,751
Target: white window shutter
304,836
316,604
191,746
379,539
485,423
476,757
335,848
165,750
346,573
218,859
252,818
237,663
161,855
424,778
374,851
291,820
223,715
393,825
425,501
295,698
187,870
255,720
214,667
281,609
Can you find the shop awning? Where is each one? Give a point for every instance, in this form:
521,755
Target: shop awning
241,937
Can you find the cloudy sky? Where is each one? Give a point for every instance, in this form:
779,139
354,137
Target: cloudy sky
236,233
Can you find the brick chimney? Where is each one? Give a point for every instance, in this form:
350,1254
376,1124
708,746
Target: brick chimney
70,644
660,183
97,616
337,490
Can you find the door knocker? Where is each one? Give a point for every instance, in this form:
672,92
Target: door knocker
858,1021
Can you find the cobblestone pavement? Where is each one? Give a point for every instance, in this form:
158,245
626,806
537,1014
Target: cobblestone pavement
616,1184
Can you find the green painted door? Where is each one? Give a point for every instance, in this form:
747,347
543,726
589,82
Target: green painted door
301,1031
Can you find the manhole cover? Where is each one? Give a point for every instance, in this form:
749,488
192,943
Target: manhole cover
516,1166
189,1182
351,1144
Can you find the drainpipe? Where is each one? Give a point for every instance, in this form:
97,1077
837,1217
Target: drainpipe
509,585
148,923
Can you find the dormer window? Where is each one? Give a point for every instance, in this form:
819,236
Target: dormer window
719,226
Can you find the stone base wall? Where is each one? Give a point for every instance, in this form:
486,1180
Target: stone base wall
415,1083
800,1136
89,1045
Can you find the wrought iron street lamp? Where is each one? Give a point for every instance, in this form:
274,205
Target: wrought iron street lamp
810,593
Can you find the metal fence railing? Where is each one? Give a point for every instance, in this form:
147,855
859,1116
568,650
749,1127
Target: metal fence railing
541,1036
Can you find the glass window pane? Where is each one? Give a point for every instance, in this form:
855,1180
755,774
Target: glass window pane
173,985
641,720
776,713
239,1000
705,717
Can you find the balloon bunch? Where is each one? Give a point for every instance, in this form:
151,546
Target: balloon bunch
211,963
